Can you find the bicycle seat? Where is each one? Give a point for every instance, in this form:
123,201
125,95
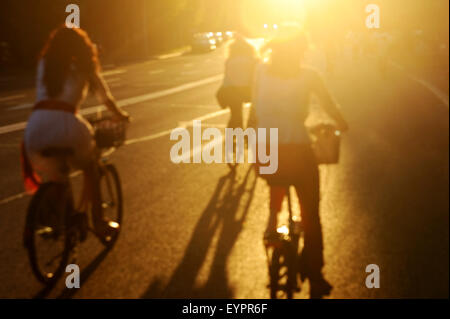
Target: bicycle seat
57,152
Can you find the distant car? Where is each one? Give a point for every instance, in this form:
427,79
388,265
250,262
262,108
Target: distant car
204,42
219,38
228,35
269,30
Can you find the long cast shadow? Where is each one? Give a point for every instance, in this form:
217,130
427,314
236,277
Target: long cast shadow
222,211
84,275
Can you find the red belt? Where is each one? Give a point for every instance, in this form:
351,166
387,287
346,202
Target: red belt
55,105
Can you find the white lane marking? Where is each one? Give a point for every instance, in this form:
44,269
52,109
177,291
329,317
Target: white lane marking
170,55
183,124
205,125
148,137
11,97
12,127
197,106
204,117
112,80
113,72
109,66
171,91
20,107
140,140
23,194
126,102
156,72
190,72
12,198
437,92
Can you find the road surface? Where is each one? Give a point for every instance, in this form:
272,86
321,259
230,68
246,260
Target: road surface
195,230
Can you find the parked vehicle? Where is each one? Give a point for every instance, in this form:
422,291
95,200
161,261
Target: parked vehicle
228,35
219,38
204,42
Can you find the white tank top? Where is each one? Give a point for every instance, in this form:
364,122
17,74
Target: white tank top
75,88
284,104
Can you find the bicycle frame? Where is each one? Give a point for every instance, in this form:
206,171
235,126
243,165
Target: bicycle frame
102,160
288,246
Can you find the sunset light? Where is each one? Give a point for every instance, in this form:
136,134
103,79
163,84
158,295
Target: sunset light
224,153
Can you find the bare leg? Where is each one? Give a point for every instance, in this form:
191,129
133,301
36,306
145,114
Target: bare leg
92,193
276,199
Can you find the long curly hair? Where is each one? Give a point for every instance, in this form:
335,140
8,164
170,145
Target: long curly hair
66,47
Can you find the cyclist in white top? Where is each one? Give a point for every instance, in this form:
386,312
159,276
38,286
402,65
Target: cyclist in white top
282,93
238,79
67,69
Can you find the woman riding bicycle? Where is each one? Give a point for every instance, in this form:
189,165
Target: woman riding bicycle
281,100
236,88
67,69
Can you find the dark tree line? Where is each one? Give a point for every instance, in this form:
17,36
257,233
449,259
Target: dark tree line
121,28
135,28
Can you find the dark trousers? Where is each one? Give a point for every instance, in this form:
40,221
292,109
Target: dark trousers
297,166
236,117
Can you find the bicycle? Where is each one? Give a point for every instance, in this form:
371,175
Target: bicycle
53,227
283,257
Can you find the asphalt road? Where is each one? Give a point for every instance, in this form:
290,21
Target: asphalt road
195,231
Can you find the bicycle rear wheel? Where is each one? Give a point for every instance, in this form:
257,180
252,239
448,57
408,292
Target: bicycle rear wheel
111,197
46,235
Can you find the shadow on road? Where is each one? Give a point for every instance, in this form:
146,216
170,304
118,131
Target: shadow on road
85,274
226,213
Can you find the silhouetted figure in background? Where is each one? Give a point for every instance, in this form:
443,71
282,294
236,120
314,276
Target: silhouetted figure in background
239,71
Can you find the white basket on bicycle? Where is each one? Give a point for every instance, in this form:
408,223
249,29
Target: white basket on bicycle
109,133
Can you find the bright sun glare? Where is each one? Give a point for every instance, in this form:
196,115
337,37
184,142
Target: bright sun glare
257,14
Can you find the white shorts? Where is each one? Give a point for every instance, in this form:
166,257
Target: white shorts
52,128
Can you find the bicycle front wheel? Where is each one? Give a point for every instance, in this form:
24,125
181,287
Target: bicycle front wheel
46,235
111,197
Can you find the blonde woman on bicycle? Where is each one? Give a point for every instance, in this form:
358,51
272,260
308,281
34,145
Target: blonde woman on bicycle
238,79
281,100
